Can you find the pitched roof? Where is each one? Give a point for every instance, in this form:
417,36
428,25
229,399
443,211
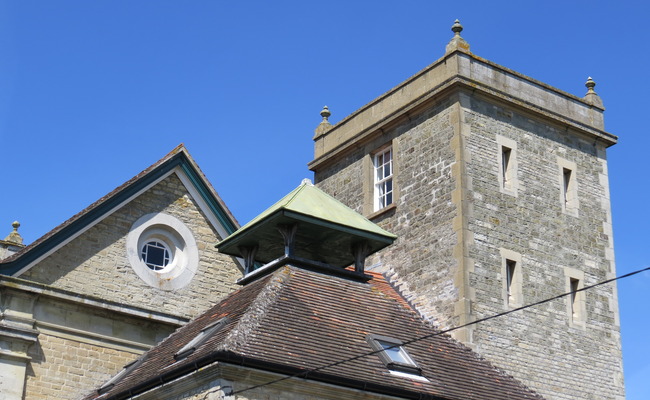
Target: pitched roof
309,200
330,320
178,157
328,229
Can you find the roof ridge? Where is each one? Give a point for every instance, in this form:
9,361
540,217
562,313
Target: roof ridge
178,149
92,212
297,192
256,310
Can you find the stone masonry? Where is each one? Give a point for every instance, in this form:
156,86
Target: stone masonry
96,264
70,366
459,223
79,315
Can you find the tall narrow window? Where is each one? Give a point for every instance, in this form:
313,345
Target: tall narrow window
512,279
506,170
383,164
574,285
576,300
510,276
566,177
507,165
568,187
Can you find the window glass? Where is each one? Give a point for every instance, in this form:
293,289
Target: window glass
383,179
395,353
156,255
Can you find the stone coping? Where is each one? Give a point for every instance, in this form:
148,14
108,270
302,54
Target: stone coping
474,73
64,295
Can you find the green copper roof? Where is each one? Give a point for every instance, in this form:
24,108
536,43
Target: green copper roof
327,229
309,200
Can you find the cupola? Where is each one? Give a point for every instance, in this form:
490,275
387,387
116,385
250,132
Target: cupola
306,228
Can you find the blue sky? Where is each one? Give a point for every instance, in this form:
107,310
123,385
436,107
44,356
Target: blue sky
92,92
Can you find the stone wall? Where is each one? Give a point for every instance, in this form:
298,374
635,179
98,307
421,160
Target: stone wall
95,263
424,212
454,224
68,369
60,345
543,346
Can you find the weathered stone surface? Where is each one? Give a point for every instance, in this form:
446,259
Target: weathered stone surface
67,369
454,221
96,264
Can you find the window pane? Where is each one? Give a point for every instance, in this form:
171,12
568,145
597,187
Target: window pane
395,354
155,255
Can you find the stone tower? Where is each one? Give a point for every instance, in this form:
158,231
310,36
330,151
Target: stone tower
497,187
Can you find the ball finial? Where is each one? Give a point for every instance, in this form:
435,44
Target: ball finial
590,84
325,113
457,28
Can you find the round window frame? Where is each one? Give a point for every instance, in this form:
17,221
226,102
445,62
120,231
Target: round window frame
180,241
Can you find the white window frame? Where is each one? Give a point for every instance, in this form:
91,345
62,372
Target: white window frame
382,197
178,239
158,244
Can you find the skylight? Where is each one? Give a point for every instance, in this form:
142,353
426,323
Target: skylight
127,369
204,335
393,354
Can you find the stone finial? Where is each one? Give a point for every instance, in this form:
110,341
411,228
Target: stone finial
457,43
325,113
592,97
307,182
457,28
14,236
324,125
590,84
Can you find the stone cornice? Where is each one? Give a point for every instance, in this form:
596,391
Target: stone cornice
88,301
467,71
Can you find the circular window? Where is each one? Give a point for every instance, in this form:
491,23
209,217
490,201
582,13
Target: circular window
162,251
156,255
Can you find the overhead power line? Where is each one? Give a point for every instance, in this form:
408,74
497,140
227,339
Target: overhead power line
442,332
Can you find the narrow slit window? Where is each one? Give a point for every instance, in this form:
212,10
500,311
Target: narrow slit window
506,167
506,158
383,165
576,299
566,174
510,276
574,285
568,187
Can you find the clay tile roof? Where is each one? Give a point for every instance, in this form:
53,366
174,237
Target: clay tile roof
330,320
